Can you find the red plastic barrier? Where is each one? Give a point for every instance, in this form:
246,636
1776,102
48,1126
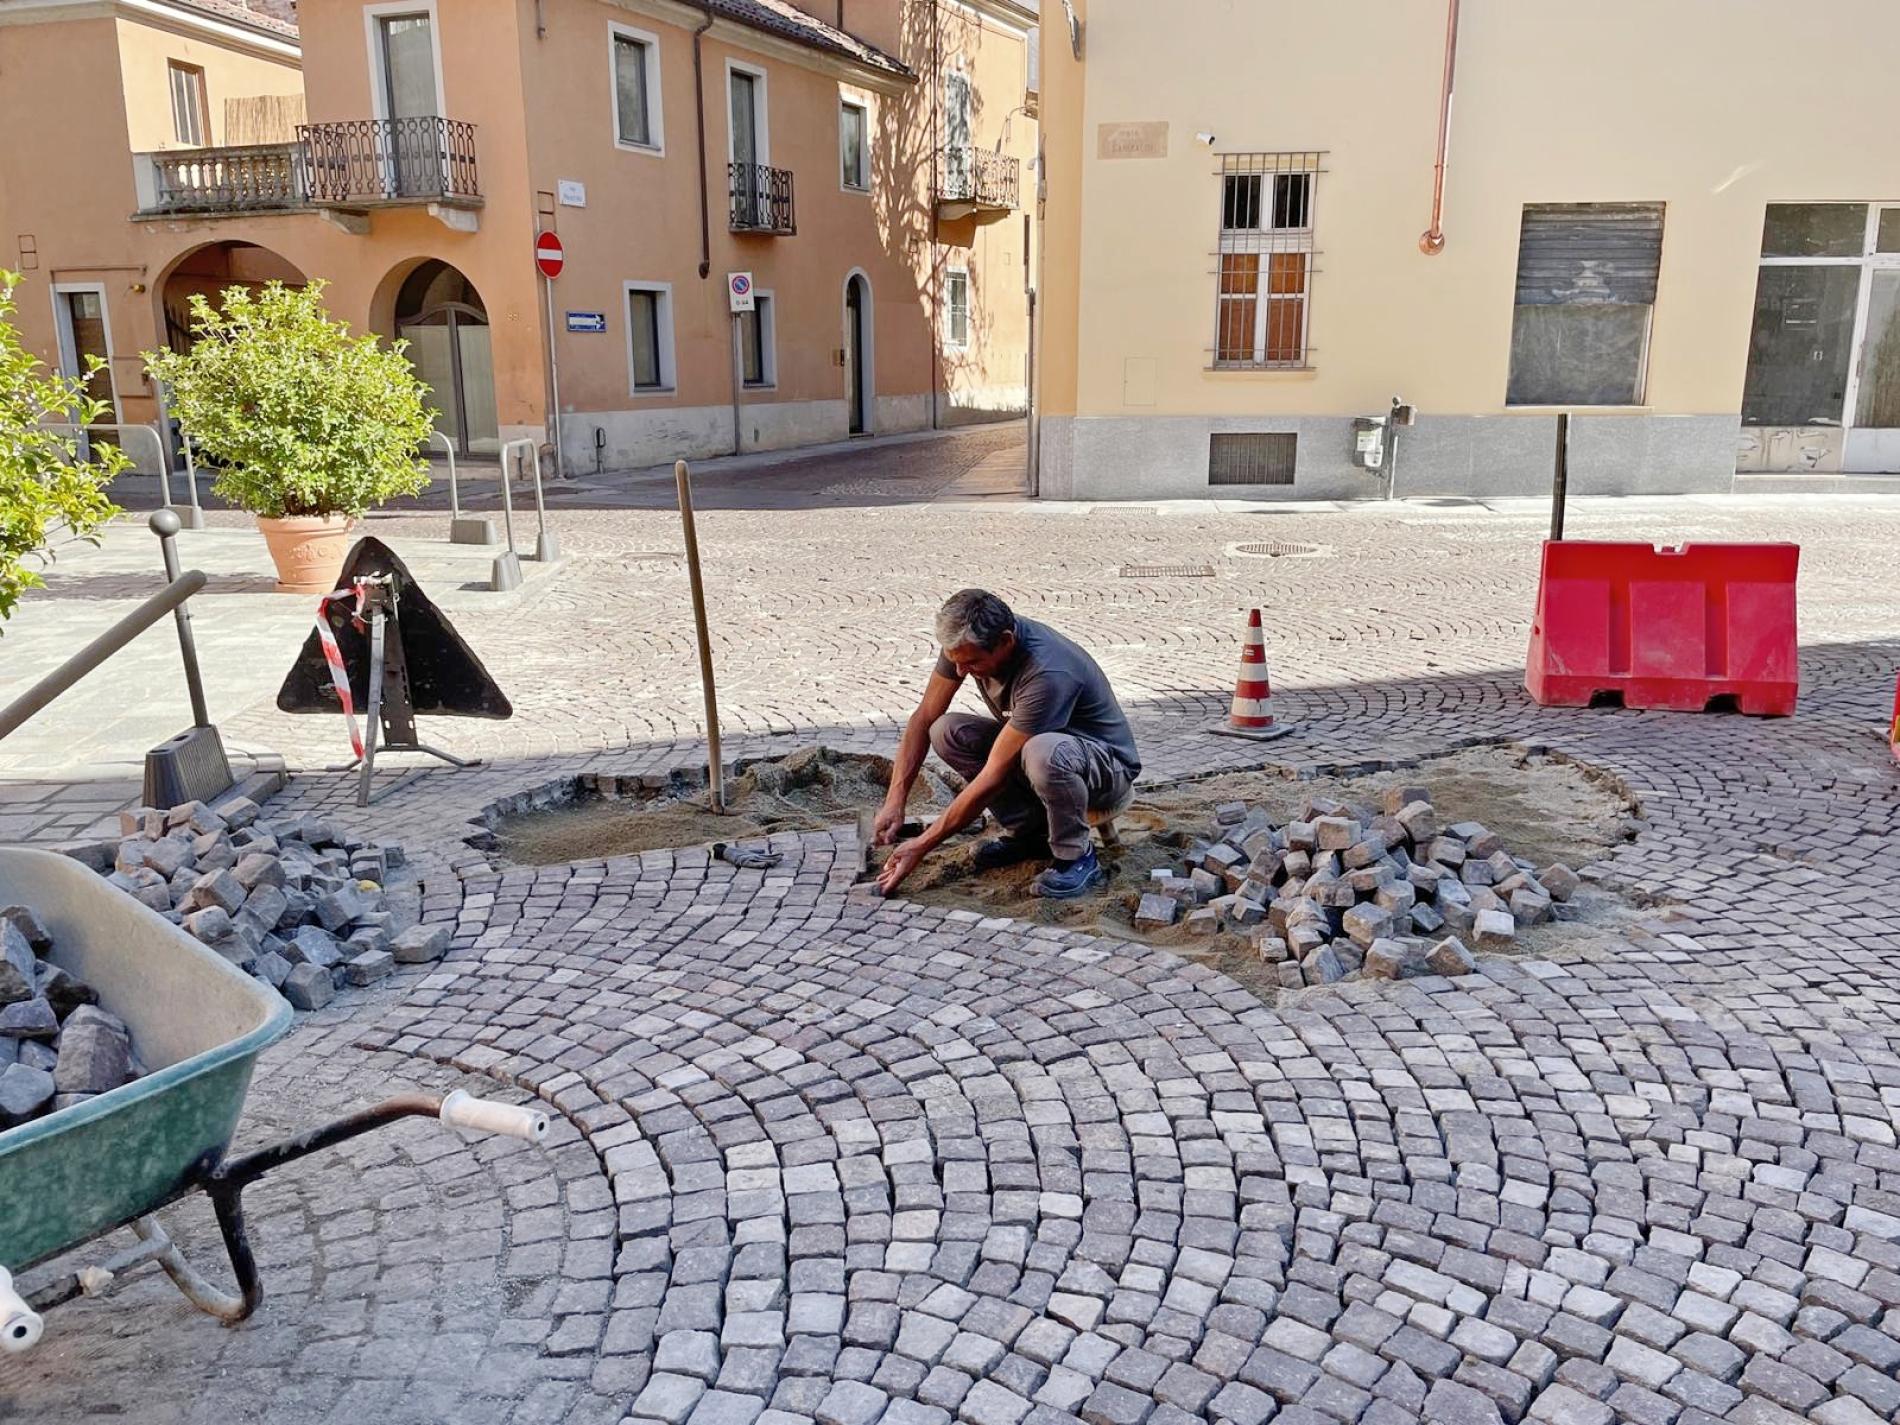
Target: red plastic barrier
1666,626
1893,733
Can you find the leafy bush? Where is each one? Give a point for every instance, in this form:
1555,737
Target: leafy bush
300,417
45,483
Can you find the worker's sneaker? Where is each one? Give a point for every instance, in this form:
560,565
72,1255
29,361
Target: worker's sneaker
1002,851
1068,879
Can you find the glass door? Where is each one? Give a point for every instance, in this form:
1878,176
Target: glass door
745,149
83,337
956,136
1873,444
415,160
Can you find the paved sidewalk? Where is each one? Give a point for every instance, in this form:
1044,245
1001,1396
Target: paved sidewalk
879,1161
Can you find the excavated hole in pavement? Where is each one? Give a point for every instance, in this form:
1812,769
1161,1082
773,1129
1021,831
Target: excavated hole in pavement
1545,808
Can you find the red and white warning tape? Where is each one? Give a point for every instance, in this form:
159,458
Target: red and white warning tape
339,675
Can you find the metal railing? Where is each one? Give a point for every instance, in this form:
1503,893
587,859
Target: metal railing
192,514
257,177
761,199
384,160
168,600
975,175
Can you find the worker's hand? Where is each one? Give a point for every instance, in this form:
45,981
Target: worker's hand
890,820
903,861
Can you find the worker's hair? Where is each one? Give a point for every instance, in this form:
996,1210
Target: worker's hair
974,616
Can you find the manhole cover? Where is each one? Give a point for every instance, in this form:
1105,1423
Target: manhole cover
1280,549
1167,571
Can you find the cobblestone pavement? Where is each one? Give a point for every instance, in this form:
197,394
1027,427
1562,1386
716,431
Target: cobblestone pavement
878,1161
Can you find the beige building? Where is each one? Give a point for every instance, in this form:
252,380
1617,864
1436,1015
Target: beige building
1703,270
859,161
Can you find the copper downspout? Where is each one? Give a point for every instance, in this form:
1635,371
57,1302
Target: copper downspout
699,113
1431,242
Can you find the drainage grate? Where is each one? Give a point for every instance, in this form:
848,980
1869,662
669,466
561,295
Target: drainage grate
1167,571
1280,549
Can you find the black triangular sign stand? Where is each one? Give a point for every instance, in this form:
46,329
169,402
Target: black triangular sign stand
401,655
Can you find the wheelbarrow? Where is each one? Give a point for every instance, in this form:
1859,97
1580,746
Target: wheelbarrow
198,1023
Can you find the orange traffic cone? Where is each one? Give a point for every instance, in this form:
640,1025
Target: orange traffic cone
1253,695
1251,714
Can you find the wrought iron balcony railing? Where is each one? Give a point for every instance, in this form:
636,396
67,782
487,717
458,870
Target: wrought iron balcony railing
978,177
251,179
389,160
355,162
761,199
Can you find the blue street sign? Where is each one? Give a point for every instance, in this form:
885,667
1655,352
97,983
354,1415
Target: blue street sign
587,321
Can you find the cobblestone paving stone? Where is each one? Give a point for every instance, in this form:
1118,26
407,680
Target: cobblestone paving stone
873,1161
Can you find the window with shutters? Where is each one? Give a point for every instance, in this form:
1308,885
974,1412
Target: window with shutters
1264,261
1586,286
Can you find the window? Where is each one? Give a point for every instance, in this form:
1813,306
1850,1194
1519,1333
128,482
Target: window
757,358
1586,284
956,308
1265,260
191,122
650,336
636,61
854,159
1825,348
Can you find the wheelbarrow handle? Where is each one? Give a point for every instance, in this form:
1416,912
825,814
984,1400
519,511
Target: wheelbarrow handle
20,1324
462,1109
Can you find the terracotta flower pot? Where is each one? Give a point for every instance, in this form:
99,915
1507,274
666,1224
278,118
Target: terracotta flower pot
308,550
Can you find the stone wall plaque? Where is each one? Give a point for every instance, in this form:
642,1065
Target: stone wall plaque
1137,140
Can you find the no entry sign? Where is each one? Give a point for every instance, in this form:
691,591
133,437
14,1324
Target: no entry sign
549,255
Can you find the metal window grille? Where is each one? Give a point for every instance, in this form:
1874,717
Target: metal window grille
1252,458
1264,260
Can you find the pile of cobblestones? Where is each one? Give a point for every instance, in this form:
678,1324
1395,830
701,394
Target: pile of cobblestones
1347,892
57,1046
291,901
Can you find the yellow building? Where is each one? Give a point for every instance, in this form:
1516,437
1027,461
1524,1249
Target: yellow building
1678,220
858,160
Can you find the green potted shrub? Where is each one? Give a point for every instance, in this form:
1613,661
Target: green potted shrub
49,487
309,427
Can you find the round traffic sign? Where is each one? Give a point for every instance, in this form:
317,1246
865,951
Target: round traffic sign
741,284
549,255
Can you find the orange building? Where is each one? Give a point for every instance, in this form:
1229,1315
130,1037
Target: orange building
863,162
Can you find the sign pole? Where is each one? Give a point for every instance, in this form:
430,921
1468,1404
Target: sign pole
738,442
715,769
554,380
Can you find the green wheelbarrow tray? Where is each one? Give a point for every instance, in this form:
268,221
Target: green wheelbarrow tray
198,1023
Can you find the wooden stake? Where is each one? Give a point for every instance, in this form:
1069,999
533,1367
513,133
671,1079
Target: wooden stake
715,770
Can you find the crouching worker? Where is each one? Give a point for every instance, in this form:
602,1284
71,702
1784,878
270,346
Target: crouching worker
1056,747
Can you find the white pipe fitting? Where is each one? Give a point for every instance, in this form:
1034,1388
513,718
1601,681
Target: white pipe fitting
463,1110
20,1325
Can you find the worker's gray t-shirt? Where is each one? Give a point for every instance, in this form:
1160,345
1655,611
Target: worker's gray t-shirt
1052,685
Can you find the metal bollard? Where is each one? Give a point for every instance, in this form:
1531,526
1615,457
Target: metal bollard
506,571
547,544
165,524
463,529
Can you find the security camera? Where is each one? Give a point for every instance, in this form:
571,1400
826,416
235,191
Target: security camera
1204,137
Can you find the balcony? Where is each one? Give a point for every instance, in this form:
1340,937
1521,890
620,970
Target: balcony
761,200
254,179
373,162
339,168
976,181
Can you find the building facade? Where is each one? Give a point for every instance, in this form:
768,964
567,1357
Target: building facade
1235,262
859,162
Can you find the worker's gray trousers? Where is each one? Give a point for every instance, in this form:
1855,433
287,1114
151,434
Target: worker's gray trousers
1058,779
